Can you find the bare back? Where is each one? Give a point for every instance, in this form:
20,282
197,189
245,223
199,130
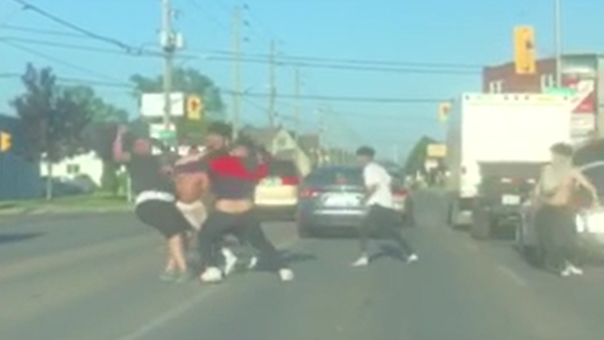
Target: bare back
557,184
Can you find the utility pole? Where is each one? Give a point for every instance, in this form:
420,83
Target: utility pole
169,45
558,41
297,86
272,83
236,70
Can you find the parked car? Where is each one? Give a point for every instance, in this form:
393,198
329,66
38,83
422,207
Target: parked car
590,222
330,198
278,192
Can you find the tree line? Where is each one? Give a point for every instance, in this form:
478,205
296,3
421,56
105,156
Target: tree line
59,121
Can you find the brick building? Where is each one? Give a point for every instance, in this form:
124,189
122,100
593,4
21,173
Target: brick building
581,72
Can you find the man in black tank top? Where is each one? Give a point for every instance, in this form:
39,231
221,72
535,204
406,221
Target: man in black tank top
155,201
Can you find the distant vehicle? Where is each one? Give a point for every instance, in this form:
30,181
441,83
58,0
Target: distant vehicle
278,192
402,198
496,144
331,198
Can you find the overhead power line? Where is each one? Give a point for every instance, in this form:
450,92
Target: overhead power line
286,59
58,60
383,100
28,6
189,56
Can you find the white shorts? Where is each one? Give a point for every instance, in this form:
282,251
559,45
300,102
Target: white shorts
196,213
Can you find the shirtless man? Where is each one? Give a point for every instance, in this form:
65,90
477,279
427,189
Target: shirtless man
190,184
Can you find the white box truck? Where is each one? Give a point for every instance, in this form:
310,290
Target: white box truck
496,146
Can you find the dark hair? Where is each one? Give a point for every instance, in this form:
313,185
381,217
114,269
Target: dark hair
562,149
245,142
366,151
221,129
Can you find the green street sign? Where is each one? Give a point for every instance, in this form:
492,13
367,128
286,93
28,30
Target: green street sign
562,91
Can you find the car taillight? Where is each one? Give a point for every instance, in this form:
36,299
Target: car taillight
309,193
290,181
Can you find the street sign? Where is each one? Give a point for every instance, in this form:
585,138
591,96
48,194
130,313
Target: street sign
443,112
436,150
525,56
194,107
561,91
6,141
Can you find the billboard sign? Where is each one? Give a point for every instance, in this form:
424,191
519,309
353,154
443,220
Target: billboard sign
152,105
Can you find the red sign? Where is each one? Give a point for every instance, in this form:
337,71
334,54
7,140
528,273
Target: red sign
584,100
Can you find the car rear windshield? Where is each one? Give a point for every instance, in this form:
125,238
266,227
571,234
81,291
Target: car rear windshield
351,176
283,169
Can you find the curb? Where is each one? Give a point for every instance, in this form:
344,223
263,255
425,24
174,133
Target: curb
61,210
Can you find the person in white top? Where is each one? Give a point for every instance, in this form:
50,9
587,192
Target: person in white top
381,215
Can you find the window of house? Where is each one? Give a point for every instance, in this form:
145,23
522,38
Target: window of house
547,81
496,86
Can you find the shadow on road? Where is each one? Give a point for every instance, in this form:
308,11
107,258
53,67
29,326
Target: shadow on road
17,237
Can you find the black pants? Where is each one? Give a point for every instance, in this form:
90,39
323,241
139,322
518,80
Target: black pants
386,222
246,227
557,235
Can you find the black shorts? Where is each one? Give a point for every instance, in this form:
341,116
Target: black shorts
163,216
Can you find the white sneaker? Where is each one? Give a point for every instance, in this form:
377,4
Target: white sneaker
286,275
566,272
230,261
412,258
253,262
361,262
211,275
574,270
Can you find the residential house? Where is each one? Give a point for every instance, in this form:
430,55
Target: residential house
88,164
282,144
311,145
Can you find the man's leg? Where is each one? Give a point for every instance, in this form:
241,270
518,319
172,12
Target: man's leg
249,228
391,224
215,227
369,223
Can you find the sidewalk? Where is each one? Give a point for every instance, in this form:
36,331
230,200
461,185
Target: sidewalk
85,204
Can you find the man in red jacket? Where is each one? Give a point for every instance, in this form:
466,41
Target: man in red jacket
233,181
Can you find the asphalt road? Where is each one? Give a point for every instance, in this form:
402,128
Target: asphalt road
93,277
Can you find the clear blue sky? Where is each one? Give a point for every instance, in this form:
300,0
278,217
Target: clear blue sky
460,31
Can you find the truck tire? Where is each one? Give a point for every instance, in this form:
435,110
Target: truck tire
480,229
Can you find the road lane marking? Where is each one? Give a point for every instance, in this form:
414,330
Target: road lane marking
165,318
513,275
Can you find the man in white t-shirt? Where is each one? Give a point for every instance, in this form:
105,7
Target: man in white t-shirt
380,208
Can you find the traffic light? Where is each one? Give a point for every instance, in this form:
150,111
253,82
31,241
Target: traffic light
443,112
194,107
6,141
524,50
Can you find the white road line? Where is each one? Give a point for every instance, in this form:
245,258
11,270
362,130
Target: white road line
163,319
157,323
513,275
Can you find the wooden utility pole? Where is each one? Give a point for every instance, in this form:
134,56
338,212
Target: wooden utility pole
297,86
273,84
236,71
169,47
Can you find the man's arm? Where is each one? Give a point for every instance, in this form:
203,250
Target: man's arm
118,150
586,183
